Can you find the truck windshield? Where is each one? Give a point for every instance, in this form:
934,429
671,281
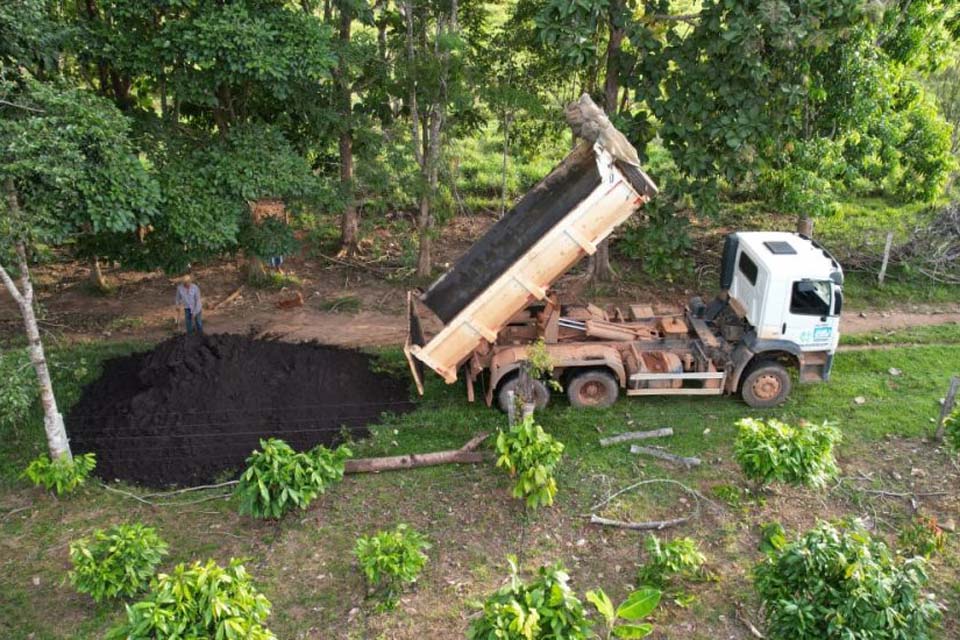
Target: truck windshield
811,297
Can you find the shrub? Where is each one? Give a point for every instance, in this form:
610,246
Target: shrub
837,582
772,450
546,607
199,601
278,478
62,475
391,559
922,537
951,429
678,558
623,622
117,562
19,388
531,456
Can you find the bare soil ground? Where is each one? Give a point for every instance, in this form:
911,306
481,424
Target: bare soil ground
347,302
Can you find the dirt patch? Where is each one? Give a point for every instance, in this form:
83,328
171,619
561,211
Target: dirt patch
191,410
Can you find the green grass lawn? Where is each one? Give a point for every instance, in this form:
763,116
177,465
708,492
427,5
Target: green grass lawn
304,564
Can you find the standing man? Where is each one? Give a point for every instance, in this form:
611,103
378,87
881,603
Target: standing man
188,297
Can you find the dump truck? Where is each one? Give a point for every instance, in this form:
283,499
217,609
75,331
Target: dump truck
778,308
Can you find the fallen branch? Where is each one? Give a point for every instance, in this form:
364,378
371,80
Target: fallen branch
663,455
636,435
230,298
649,525
749,625
464,455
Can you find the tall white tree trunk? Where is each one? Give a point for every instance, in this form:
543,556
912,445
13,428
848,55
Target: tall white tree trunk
52,419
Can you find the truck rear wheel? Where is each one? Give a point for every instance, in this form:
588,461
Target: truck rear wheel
766,385
541,393
593,389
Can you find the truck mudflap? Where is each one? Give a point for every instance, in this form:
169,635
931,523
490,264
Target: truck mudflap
414,338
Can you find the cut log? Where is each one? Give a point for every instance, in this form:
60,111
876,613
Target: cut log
636,435
663,455
464,455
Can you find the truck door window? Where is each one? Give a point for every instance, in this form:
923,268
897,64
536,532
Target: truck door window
748,268
811,297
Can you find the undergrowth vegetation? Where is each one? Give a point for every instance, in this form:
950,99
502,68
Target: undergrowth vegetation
200,600
391,560
116,562
669,563
278,479
531,456
771,450
62,475
838,582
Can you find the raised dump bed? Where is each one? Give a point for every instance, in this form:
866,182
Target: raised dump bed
563,218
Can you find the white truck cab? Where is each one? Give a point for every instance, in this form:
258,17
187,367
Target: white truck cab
788,290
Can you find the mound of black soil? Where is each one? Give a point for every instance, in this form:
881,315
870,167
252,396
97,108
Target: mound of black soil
194,408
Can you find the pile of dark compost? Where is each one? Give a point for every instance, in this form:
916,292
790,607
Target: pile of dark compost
191,410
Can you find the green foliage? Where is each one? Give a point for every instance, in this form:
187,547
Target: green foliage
773,537
661,241
271,237
624,621
391,559
951,429
679,558
278,478
62,475
19,388
545,607
199,601
921,537
117,562
837,582
530,455
772,450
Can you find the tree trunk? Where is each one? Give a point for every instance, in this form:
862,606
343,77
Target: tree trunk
97,281
805,226
350,221
599,264
57,442
507,119
424,261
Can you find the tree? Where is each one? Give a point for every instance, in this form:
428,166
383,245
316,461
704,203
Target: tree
796,100
67,170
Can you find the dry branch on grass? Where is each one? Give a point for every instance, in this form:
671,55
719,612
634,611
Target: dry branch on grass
664,455
636,435
464,455
650,525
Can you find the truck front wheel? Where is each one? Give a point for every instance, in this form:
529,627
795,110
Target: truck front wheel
593,389
766,385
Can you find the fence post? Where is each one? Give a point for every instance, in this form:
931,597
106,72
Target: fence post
948,402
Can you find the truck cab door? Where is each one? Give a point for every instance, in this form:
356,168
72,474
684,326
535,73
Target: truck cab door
812,317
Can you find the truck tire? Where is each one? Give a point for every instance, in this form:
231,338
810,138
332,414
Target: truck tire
540,392
767,384
593,389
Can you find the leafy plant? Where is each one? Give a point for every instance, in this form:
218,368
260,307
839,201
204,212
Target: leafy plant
19,388
546,607
678,558
773,537
773,450
837,582
391,559
531,456
951,429
62,475
199,601
922,537
278,478
117,562
623,622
